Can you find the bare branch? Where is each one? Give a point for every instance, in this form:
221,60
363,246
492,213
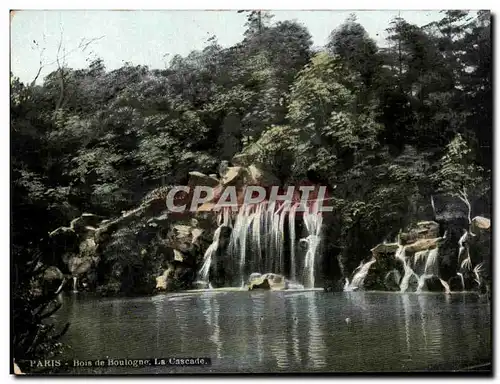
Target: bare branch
462,195
41,65
60,70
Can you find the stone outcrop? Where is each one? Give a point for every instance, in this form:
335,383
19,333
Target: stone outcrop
422,230
267,281
198,178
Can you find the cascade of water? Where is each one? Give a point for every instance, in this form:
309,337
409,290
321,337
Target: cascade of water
75,284
275,238
223,220
462,280
280,240
359,277
421,282
208,256
401,254
419,256
256,237
291,227
313,222
245,224
461,244
431,264
346,285
445,285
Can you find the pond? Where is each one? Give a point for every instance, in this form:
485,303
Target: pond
285,331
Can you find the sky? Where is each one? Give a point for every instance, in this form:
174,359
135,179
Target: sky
152,38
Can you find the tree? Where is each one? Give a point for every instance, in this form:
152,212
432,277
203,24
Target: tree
352,44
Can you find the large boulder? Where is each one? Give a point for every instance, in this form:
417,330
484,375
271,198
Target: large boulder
259,283
270,281
184,237
385,248
480,223
422,230
423,245
232,176
385,273
53,274
200,179
432,284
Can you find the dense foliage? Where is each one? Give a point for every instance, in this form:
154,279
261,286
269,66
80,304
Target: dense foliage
388,126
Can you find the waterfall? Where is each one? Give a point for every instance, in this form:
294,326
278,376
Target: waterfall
431,265
461,244
346,285
209,253
462,280
222,220
256,236
359,277
291,227
75,284
281,240
238,241
313,222
276,238
257,243
405,282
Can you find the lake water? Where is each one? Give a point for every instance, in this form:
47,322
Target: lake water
265,332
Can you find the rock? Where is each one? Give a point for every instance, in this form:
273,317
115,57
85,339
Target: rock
178,256
161,281
259,283
480,223
196,234
455,284
200,285
198,178
423,245
433,284
85,220
257,175
385,248
232,176
270,281
423,230
392,280
183,237
213,175
277,282
53,273
254,276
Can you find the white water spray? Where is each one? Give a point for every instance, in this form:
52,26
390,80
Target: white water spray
313,222
291,228
222,220
358,279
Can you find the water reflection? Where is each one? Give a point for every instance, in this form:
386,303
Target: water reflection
285,331
258,318
211,311
316,344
